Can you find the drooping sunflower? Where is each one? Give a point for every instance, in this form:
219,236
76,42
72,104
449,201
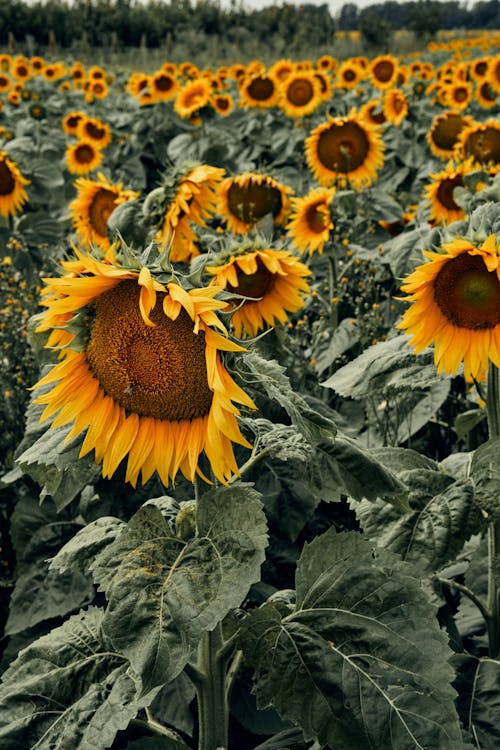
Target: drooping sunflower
395,106
192,97
345,149
190,194
148,383
83,157
455,305
246,198
95,130
258,90
311,222
12,193
481,141
444,131
300,94
94,203
273,280
439,193
383,71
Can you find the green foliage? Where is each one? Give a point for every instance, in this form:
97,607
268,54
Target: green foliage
361,637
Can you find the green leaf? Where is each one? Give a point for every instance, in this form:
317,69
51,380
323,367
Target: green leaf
404,252
466,421
444,516
485,475
164,593
343,338
478,683
81,550
68,690
171,705
361,664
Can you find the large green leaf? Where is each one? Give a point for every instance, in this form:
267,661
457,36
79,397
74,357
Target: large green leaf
479,705
485,474
81,550
68,690
164,592
361,663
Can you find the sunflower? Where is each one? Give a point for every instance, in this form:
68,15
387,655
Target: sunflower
345,148
93,129
5,83
395,106
458,95
246,198
300,94
71,121
455,305
137,83
310,220
281,69
481,141
163,86
373,112
258,90
83,157
383,71
192,97
92,207
222,103
20,69
479,68
494,74
273,280
12,192
485,96
190,195
349,74
146,381
98,89
326,62
444,132
443,208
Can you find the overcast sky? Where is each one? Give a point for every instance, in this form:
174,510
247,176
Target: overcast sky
334,5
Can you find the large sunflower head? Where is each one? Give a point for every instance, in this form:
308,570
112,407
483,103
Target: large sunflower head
444,131
189,193
439,193
140,371
311,222
345,149
383,71
94,203
272,281
258,90
12,193
192,97
481,141
83,157
455,305
300,93
246,198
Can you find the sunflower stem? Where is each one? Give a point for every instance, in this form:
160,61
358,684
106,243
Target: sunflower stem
493,621
211,692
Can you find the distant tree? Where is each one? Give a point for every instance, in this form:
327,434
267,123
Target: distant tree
348,17
375,31
424,19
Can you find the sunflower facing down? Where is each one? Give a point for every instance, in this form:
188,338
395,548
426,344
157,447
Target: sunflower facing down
455,305
274,280
248,197
345,149
481,141
311,221
149,384
395,106
12,193
90,210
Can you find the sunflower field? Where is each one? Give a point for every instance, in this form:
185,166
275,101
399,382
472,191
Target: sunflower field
250,333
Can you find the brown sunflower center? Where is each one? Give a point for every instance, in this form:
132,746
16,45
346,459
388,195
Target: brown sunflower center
376,115
446,131
222,103
383,70
300,92
397,104
261,88
481,67
7,181
84,154
316,218
102,205
467,293
254,285
343,148
349,75
96,132
252,201
164,83
445,191
460,94
484,145
72,121
487,92
155,372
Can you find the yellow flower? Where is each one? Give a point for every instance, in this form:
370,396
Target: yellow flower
300,94
274,280
345,148
481,141
395,106
192,97
455,305
310,220
258,90
444,132
443,208
248,197
383,71
149,384
83,157
12,192
94,130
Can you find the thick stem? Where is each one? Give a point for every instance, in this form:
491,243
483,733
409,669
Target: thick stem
211,693
493,622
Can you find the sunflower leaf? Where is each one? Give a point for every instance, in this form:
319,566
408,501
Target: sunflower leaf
361,662
485,475
78,553
478,683
164,592
68,689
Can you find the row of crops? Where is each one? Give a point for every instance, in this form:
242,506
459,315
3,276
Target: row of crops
250,342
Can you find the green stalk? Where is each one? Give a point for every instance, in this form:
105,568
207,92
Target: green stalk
211,692
493,603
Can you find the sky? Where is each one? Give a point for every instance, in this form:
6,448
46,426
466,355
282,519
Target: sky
334,5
